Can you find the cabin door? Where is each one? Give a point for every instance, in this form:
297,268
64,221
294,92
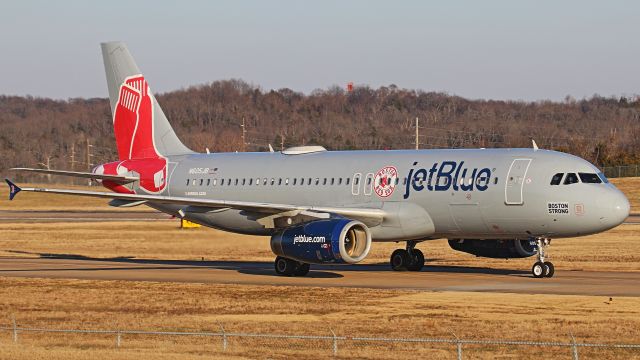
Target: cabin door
515,182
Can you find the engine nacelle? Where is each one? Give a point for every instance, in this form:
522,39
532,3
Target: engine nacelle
338,241
497,249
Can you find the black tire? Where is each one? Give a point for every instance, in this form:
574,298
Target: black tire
399,260
418,261
284,266
302,270
549,269
538,270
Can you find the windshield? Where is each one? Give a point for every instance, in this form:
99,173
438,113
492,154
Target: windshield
590,178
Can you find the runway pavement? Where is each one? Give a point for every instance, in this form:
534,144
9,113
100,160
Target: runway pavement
432,278
80,216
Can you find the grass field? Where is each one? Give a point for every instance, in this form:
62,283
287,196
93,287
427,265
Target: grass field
290,310
293,310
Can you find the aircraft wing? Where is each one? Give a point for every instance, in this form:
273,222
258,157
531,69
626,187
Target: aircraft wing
368,216
87,175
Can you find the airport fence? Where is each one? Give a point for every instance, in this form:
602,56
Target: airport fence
332,345
621,171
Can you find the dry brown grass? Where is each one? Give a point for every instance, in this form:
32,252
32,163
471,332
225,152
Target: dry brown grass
294,310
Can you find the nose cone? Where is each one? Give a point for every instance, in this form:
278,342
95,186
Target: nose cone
618,210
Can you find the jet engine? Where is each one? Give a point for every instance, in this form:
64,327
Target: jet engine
337,240
497,249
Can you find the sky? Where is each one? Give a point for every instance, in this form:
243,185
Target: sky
517,50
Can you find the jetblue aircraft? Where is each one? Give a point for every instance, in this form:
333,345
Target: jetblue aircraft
327,207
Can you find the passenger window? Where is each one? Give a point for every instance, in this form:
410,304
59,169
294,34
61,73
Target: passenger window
286,181
236,182
251,181
590,178
556,179
187,182
348,180
208,182
221,182
333,181
317,181
273,181
264,181
244,182
295,181
495,181
571,178
309,182
339,181
324,182
280,181
257,181
215,182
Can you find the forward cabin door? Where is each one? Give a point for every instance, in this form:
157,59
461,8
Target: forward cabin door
515,182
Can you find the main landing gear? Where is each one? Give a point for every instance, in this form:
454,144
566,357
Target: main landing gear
411,259
542,268
290,267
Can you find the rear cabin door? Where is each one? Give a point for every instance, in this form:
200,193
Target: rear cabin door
515,182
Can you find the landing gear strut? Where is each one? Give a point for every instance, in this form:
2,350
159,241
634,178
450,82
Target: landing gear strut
542,268
289,267
411,259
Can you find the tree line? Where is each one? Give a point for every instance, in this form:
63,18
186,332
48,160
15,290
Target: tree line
77,133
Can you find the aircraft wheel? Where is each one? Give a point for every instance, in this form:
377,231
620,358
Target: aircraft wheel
285,266
418,261
538,270
302,270
399,260
549,269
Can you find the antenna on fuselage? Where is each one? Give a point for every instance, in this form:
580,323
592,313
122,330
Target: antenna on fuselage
535,146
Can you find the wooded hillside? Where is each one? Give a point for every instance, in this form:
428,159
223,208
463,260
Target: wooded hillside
606,131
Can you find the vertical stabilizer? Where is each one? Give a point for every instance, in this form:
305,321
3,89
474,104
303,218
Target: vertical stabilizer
141,128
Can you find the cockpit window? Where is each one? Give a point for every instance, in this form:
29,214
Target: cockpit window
590,178
603,178
556,179
571,178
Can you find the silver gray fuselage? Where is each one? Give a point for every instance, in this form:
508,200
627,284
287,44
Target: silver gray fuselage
517,202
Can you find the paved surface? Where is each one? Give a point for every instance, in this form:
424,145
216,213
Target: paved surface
80,216
368,276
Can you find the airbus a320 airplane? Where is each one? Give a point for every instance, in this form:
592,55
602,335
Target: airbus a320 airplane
322,206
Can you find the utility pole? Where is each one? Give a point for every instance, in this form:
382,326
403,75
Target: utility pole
73,156
89,155
244,135
417,135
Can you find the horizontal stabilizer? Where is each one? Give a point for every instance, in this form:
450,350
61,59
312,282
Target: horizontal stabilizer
13,189
87,175
366,215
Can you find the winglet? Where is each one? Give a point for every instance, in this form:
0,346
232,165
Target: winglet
13,189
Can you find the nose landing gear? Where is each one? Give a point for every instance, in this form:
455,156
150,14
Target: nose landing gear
542,268
411,259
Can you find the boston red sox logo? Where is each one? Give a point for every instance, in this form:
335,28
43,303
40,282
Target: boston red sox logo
133,124
385,181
